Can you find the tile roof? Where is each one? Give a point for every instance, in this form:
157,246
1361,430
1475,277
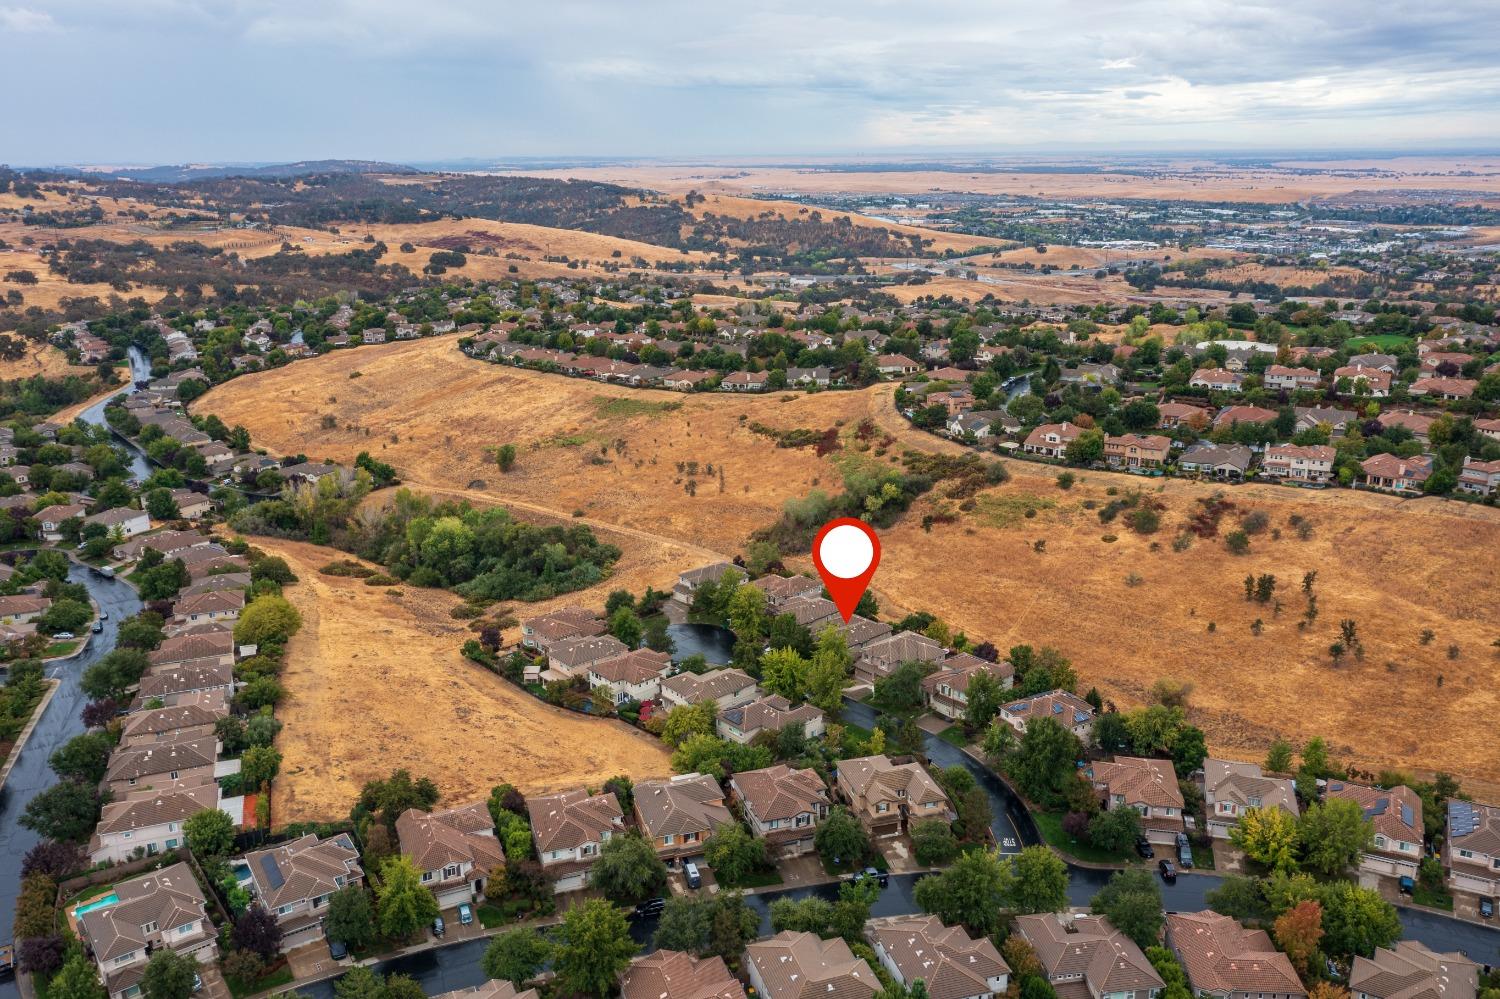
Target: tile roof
456,836
671,974
770,712
953,964
303,868
1412,971
1219,955
802,966
1140,781
1247,786
694,688
1397,813
780,792
1066,708
570,819
169,898
682,804
1089,946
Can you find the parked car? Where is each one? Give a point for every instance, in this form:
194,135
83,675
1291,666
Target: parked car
439,927
104,615
1486,907
465,914
692,875
63,634
1144,848
1406,886
1184,852
107,572
98,627
870,873
1168,871
337,950
197,983
650,907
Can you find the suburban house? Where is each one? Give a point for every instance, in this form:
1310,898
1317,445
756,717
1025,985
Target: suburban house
127,521
1067,709
818,376
1231,416
294,881
689,581
895,365
1050,440
1471,851
1229,788
725,687
881,657
215,605
1222,461
1137,450
162,909
495,988
1280,377
1171,415
1397,815
569,830
1298,463
564,623
191,504
160,765
455,850
794,965
812,613
1149,786
151,821
1378,362
576,656
630,676
1336,421
1216,379
1443,388
769,713
192,719
745,381
686,381
1397,475
1089,375
216,647
1227,961
51,519
782,805
175,683
678,814
1481,478
1085,956
1410,969
947,691
886,796
953,964
1359,380
779,589
861,632
672,974
22,608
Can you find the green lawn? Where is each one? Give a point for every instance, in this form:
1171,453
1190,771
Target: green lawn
1049,824
1203,857
490,917
954,735
1436,898
760,879
59,649
239,989
1382,341
850,866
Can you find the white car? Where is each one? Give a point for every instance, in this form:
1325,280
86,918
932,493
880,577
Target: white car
63,634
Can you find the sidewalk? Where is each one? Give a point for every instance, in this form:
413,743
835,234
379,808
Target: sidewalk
36,716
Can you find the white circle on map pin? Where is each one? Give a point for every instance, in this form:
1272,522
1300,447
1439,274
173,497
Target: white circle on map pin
846,551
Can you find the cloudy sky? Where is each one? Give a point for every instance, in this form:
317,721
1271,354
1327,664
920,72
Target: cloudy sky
172,81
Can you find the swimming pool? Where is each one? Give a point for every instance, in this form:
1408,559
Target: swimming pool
98,903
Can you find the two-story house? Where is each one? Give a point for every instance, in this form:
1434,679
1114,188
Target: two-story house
794,965
1229,788
881,657
630,676
1051,440
294,881
947,690
951,963
769,713
782,805
679,814
150,822
887,797
725,687
202,608
1137,450
1471,851
1148,786
1412,969
1280,377
1225,960
162,909
673,974
574,656
1086,956
1397,816
1299,463
160,765
569,830
127,521
455,850
1067,709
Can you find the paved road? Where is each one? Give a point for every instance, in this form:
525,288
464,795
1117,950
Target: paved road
140,371
60,723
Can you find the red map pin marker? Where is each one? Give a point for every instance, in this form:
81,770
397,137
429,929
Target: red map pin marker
846,552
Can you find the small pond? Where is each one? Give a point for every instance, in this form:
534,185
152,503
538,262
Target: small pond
713,643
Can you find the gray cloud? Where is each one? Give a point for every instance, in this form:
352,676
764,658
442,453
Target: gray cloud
159,80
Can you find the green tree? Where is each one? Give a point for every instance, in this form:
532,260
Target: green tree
77,980
687,720
505,457
1115,829
84,757
973,892
66,811
900,693
933,842
593,947
985,695
625,625
734,854
259,765
829,672
1356,920
267,618
1042,764
405,904
1040,881
747,613
707,925
350,919
840,838
628,870
1332,834
516,956
210,833
1268,835
785,672
169,975
1132,902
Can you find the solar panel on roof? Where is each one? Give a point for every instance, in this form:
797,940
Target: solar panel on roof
1462,819
271,871
1406,815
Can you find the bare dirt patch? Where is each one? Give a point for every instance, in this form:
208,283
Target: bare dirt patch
375,683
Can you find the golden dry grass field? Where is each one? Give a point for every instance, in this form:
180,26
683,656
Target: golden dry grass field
1396,567
375,683
41,359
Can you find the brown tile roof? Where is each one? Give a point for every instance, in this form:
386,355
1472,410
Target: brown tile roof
1397,813
567,820
695,688
183,677
497,988
771,713
304,868
148,759
671,974
212,602
150,808
1140,781
197,646
780,792
1411,971
957,670
951,963
579,651
169,898
1247,786
189,715
1065,708
779,588
682,804
871,779
1219,955
1089,946
1475,828
801,966
455,836
635,666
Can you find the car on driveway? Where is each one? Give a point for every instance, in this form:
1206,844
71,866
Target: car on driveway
438,926
650,907
63,635
880,877
1184,851
337,950
691,875
1144,848
1168,871
465,914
